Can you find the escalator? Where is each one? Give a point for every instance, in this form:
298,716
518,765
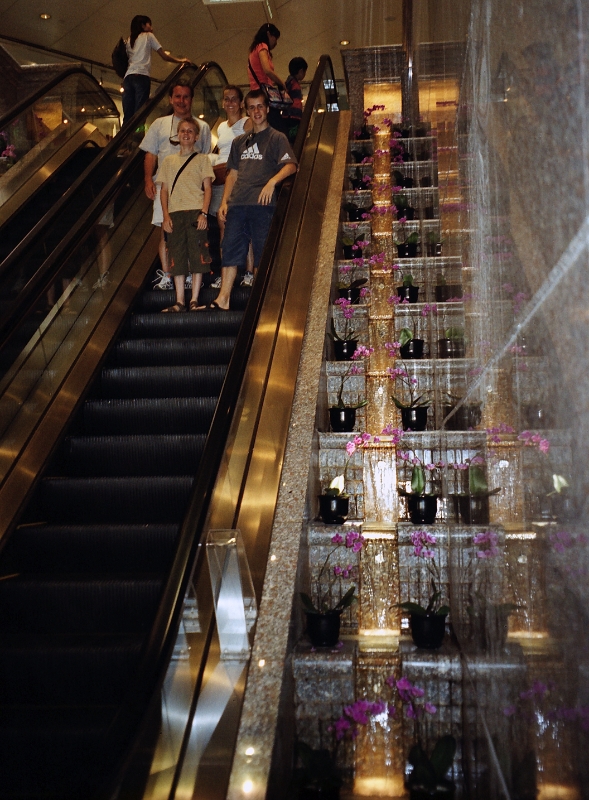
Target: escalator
100,529
37,217
53,136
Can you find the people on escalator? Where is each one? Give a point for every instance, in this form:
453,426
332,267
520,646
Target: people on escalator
136,82
258,161
261,70
297,69
161,140
186,181
234,126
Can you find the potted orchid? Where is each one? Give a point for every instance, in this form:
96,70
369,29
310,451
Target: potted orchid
413,412
472,506
342,416
345,343
464,416
452,344
323,615
421,505
427,776
409,346
351,290
428,624
408,291
334,502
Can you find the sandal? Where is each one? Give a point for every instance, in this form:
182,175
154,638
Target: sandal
177,307
194,305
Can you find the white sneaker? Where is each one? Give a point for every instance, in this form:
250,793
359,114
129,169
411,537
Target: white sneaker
163,281
216,284
188,282
101,282
248,279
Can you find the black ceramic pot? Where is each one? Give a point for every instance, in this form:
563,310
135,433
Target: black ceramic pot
472,509
448,290
351,293
355,215
413,349
441,792
333,508
344,350
414,419
348,252
428,630
323,629
410,293
422,508
428,212
425,181
466,417
536,416
342,420
408,183
451,348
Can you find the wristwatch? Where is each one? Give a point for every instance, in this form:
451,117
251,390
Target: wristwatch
205,213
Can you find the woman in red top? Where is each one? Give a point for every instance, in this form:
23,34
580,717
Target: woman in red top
261,69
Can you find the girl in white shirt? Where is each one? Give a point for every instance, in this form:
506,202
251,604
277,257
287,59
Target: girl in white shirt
136,82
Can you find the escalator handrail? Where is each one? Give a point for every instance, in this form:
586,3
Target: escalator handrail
189,551
323,65
32,98
36,282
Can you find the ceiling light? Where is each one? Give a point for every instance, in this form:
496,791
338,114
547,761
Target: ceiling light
45,16
344,42
121,90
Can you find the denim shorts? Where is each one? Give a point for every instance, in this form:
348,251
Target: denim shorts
245,224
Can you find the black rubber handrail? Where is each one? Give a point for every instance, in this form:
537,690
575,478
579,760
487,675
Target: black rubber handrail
24,302
32,98
163,635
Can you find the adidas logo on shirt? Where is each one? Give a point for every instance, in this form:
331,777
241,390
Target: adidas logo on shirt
252,152
286,157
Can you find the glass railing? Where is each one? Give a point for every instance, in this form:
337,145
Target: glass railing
38,127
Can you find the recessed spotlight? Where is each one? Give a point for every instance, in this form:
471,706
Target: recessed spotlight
45,16
121,90
344,42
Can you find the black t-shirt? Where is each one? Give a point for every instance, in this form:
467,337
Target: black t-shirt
257,157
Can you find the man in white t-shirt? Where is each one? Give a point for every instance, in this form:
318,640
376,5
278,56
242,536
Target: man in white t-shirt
161,140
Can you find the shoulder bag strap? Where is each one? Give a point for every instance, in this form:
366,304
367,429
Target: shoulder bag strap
182,168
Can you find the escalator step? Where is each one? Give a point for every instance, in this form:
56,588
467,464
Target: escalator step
114,500
146,416
156,300
171,352
90,549
91,672
205,323
128,382
36,607
156,454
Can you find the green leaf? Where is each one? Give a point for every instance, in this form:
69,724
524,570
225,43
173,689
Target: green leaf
477,481
408,279
358,283
442,611
346,600
454,333
443,755
405,336
413,238
413,608
423,773
308,603
418,480
399,404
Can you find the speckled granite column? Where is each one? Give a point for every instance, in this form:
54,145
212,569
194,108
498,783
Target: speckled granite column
253,751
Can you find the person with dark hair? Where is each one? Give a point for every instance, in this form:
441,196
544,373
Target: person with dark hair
297,68
136,82
258,161
261,68
162,140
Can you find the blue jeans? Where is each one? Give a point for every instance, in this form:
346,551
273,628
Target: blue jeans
135,95
245,224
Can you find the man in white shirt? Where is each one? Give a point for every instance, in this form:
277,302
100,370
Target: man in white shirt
161,140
